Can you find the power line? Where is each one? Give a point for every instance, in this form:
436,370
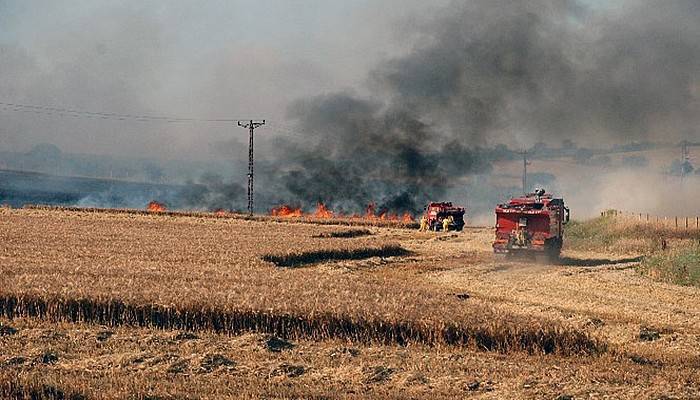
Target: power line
68,112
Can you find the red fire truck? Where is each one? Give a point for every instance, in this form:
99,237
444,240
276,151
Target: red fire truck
532,224
437,212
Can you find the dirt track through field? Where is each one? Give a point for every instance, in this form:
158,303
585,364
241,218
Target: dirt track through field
597,292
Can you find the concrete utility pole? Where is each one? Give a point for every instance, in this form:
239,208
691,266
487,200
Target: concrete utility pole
525,164
251,126
685,158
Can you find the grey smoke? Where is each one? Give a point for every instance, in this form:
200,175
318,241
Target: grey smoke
494,69
233,59
210,192
454,81
489,71
360,152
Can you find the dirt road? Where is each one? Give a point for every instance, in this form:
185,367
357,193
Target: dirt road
598,292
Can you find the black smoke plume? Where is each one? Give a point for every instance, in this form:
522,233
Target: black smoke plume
483,72
357,152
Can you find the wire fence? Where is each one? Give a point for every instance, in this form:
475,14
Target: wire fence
686,223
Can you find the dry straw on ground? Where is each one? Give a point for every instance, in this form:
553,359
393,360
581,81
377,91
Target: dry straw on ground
191,273
131,305
121,362
307,219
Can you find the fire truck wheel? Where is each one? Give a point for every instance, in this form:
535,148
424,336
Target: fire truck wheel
550,255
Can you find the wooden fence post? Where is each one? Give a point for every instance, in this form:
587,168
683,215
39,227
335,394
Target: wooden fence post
676,222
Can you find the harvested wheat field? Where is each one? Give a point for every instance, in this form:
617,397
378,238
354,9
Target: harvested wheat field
137,305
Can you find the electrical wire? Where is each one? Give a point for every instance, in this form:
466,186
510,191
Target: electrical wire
67,112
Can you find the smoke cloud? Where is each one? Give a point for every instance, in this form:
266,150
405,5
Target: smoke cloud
395,113
483,72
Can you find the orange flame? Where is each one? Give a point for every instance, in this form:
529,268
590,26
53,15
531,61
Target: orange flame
322,211
370,211
220,212
155,206
286,211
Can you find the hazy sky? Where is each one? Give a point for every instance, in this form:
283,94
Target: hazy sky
628,68
223,59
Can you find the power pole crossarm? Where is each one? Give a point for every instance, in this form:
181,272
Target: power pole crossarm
251,126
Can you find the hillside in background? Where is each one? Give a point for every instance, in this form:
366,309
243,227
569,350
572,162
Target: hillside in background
20,188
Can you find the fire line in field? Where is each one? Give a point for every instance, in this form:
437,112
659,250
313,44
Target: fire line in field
323,212
320,212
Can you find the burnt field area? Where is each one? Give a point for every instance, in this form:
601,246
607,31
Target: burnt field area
130,305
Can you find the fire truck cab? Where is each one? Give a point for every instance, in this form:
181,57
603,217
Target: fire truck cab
531,224
437,212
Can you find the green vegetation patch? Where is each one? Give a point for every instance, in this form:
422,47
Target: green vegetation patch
591,234
680,266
